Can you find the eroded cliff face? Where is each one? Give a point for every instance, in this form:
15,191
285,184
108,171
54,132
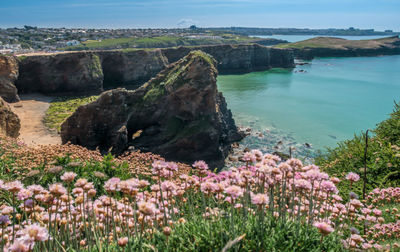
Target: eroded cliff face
179,114
8,75
9,121
131,68
87,72
239,58
78,72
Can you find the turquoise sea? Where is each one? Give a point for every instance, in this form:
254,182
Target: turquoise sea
329,101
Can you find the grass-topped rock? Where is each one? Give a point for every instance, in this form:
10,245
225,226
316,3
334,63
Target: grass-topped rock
63,107
338,47
179,114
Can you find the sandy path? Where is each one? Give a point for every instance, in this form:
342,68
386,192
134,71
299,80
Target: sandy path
31,110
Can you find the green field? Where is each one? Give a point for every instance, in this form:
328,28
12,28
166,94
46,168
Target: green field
159,42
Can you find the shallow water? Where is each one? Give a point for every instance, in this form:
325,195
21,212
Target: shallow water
330,101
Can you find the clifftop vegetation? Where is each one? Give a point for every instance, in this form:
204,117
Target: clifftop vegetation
339,43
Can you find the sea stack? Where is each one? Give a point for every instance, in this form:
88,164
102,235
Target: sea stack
178,114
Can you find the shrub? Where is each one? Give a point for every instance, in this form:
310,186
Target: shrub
383,156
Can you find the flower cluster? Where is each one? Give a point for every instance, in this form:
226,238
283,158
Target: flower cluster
71,213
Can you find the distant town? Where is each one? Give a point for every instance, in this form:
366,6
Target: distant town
34,39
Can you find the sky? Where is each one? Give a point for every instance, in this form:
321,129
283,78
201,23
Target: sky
377,14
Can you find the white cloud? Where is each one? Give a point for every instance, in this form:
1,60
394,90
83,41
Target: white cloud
186,22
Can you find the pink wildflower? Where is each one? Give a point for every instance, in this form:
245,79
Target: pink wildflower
24,194
353,177
68,177
234,191
14,186
260,199
324,228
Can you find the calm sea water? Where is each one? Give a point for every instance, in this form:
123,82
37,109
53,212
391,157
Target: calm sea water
295,38
330,101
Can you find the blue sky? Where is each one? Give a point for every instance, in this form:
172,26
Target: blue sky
378,14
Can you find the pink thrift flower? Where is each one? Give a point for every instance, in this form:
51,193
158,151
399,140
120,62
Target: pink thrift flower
260,199
353,177
35,232
14,186
68,177
234,191
201,165
324,228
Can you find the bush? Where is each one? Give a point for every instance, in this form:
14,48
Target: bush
383,156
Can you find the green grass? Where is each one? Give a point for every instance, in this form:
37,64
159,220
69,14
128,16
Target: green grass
157,42
61,108
383,156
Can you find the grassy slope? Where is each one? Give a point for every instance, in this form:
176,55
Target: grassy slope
339,43
158,42
63,107
383,156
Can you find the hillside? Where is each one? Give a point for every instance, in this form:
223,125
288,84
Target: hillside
338,47
169,41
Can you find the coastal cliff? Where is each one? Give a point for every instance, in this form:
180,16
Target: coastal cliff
130,68
77,72
91,72
238,58
338,47
8,75
9,121
179,114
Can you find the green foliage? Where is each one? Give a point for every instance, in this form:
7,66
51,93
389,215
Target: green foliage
389,130
383,157
63,107
201,234
159,42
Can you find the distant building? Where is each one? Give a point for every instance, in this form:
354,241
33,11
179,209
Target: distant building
73,43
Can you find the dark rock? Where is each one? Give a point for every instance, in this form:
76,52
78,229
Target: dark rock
72,73
9,122
130,69
282,155
8,75
307,145
238,58
62,73
180,112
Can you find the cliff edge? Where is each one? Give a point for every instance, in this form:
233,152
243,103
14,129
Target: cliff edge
338,47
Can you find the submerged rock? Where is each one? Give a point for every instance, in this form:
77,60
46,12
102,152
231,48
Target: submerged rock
8,75
179,114
9,121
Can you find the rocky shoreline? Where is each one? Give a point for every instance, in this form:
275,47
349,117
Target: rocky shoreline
269,140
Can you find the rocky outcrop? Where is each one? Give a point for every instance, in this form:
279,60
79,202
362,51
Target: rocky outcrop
130,68
179,114
9,122
62,73
8,75
338,47
238,58
87,72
